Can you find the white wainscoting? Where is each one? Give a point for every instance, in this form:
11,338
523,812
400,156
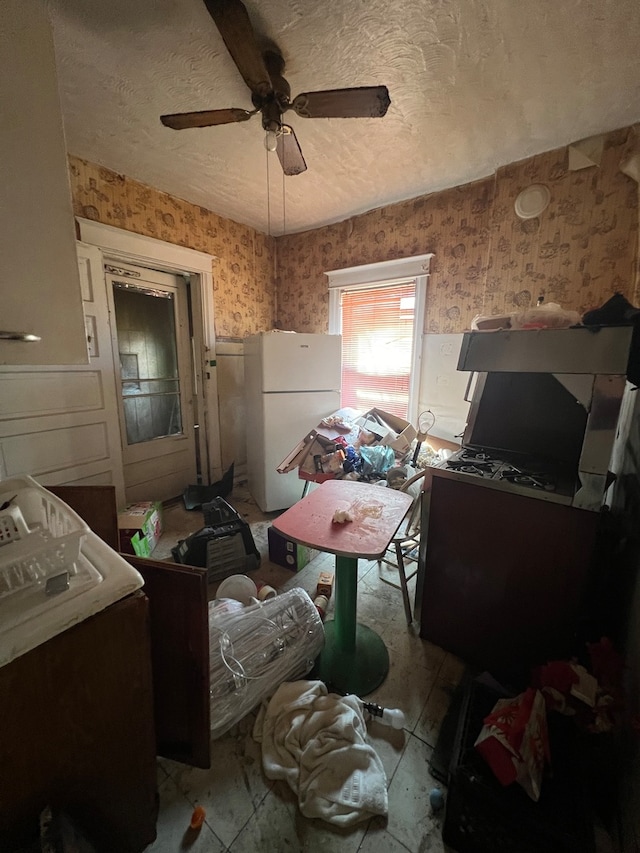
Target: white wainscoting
74,449
34,394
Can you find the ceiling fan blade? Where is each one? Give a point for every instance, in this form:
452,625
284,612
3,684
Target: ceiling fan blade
232,19
205,118
289,152
362,102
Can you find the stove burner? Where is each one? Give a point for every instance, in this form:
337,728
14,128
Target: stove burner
473,469
479,468
526,473
475,455
527,478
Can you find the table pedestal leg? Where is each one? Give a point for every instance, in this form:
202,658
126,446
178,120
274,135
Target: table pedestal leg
354,658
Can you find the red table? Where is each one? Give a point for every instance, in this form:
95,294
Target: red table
354,658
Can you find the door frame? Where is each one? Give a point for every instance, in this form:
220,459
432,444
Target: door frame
122,246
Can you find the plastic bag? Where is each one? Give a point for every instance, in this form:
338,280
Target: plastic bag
514,741
377,459
546,316
253,650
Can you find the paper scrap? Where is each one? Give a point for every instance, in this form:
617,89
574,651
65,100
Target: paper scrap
340,516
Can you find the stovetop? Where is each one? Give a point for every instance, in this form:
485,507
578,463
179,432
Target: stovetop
512,472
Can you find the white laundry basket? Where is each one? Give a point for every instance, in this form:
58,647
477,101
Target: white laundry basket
54,570
40,536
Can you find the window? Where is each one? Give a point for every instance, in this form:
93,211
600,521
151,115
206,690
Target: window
380,317
377,347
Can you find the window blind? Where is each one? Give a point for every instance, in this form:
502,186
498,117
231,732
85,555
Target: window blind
377,345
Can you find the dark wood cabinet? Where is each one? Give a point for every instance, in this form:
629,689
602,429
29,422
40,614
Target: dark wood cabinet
180,658
504,577
77,732
85,714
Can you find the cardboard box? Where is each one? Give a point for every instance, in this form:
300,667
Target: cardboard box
392,430
301,457
140,527
325,584
286,553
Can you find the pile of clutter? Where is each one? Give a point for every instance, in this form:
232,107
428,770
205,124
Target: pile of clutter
262,644
374,446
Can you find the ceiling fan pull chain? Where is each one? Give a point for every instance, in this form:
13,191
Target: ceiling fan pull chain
268,196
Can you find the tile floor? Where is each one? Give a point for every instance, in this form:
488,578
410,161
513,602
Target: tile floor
246,811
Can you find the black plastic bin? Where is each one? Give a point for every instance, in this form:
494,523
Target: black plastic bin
482,816
224,546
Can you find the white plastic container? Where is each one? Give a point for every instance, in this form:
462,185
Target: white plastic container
240,587
12,525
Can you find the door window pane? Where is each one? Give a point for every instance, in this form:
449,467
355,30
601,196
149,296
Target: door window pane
145,322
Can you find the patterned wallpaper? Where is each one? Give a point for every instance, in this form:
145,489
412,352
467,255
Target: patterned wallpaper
581,249
243,269
578,252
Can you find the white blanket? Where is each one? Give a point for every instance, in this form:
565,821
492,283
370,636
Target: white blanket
315,740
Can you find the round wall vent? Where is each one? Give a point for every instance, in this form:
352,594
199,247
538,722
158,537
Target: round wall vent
532,201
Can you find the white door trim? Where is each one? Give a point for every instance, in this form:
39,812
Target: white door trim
125,246
127,242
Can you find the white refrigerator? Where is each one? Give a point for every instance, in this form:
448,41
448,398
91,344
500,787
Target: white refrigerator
292,381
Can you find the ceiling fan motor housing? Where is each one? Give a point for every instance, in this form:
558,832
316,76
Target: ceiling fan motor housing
271,115
277,101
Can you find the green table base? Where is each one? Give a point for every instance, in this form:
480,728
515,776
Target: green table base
358,671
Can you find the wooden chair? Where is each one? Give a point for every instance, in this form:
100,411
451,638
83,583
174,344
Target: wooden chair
404,547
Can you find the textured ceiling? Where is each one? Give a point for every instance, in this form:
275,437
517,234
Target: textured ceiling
474,84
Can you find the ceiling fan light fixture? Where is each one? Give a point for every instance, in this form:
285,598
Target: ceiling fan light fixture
271,140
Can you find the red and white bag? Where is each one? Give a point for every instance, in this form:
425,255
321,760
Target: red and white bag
514,741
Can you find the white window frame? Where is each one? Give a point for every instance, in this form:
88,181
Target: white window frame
386,274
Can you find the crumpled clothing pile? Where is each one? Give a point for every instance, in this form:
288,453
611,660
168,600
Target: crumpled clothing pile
316,742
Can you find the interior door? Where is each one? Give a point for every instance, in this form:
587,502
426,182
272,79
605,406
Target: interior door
150,330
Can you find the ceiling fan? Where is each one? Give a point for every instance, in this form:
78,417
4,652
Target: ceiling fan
271,94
